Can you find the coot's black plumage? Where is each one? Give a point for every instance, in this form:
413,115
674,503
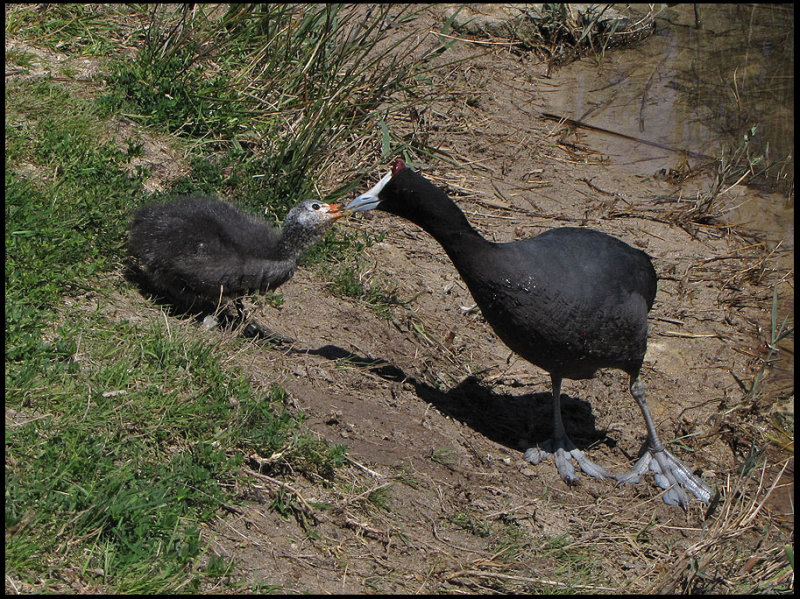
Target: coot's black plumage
570,301
198,251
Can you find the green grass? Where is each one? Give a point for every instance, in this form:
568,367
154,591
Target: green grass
446,456
275,91
20,58
130,446
510,542
379,497
472,524
346,283
58,232
124,436
338,259
75,29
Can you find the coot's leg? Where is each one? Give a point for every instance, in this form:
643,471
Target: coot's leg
253,328
562,448
259,331
670,473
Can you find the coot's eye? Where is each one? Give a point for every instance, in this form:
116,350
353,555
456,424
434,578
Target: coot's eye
315,206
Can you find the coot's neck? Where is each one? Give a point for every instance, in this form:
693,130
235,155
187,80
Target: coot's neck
295,240
448,225
429,207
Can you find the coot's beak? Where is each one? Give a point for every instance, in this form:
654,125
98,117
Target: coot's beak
371,199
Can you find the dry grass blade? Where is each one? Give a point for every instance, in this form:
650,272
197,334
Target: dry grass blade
306,509
717,563
527,580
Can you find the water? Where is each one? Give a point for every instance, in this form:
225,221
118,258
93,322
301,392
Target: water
694,90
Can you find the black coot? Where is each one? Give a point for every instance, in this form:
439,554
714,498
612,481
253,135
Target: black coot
570,301
203,252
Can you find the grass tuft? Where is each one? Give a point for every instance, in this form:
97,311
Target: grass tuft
280,90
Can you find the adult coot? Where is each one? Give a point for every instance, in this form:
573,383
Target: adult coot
199,251
570,301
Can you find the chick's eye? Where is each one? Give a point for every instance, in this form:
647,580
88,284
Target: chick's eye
315,206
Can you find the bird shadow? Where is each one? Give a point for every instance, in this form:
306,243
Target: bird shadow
509,420
197,309
172,306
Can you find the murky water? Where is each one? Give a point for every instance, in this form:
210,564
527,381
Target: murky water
689,96
697,91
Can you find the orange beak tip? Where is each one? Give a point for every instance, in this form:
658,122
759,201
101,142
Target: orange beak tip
336,211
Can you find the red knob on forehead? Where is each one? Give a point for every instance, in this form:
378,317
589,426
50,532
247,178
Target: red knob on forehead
398,166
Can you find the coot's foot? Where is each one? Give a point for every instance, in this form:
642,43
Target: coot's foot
563,451
259,331
670,474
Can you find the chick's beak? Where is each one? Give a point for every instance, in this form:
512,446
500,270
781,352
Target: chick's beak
371,199
335,211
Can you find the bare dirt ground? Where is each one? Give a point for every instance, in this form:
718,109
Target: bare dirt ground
432,406
433,426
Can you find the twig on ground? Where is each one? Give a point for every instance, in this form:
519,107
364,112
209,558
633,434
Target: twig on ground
287,487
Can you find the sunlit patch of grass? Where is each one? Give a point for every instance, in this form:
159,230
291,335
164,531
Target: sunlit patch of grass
20,58
139,443
349,278
123,439
77,29
58,233
347,283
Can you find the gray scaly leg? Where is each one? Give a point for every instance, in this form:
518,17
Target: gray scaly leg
670,473
561,448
